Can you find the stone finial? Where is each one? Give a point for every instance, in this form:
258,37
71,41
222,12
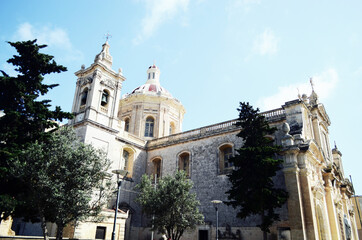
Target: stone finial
313,98
287,139
305,98
82,67
286,128
311,83
120,71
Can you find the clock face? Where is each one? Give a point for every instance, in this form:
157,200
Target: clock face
80,117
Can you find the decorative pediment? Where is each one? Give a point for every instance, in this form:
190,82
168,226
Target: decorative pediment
316,151
323,113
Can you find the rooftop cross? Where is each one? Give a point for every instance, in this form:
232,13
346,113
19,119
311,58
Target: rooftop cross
107,36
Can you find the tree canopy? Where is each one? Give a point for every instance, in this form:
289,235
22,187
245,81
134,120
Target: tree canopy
24,118
174,208
66,180
256,163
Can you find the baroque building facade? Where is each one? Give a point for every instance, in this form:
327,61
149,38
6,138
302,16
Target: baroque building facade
141,132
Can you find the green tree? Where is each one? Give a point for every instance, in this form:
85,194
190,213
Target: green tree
174,208
67,180
24,117
256,163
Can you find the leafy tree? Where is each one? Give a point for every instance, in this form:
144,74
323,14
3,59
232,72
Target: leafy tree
67,180
173,206
256,163
23,118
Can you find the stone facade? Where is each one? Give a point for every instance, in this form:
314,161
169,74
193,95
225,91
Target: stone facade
147,125
142,133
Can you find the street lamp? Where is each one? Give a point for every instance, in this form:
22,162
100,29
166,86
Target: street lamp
123,174
216,202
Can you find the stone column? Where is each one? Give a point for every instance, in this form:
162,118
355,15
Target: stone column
332,216
295,205
292,184
308,201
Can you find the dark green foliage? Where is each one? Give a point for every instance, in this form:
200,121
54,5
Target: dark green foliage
256,163
175,209
25,117
66,179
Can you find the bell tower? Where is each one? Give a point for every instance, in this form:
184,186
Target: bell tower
98,91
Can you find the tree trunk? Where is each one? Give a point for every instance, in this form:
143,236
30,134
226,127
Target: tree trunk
44,228
60,228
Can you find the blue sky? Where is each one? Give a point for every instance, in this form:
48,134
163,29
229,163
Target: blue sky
212,54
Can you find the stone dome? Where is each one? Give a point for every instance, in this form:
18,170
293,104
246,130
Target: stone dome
152,86
151,89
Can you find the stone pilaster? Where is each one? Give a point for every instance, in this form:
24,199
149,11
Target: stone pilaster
307,198
293,186
332,216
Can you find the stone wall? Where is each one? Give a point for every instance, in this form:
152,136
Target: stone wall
209,182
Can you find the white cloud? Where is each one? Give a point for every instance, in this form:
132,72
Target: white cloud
235,7
158,11
266,43
324,84
54,37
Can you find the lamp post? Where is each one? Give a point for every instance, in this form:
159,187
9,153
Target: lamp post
123,174
216,202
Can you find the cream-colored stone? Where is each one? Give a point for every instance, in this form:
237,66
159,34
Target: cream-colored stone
319,195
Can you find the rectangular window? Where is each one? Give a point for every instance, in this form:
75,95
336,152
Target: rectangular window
153,75
101,233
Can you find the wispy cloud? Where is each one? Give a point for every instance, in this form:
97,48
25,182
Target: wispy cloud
235,7
324,84
54,37
159,11
266,43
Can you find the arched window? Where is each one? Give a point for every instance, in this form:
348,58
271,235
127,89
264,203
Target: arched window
225,153
128,156
104,100
125,158
149,127
184,163
83,98
172,128
126,124
156,164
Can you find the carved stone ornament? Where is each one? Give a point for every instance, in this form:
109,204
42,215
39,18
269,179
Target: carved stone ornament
84,81
97,74
109,83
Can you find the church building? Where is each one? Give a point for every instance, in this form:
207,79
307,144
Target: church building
141,132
